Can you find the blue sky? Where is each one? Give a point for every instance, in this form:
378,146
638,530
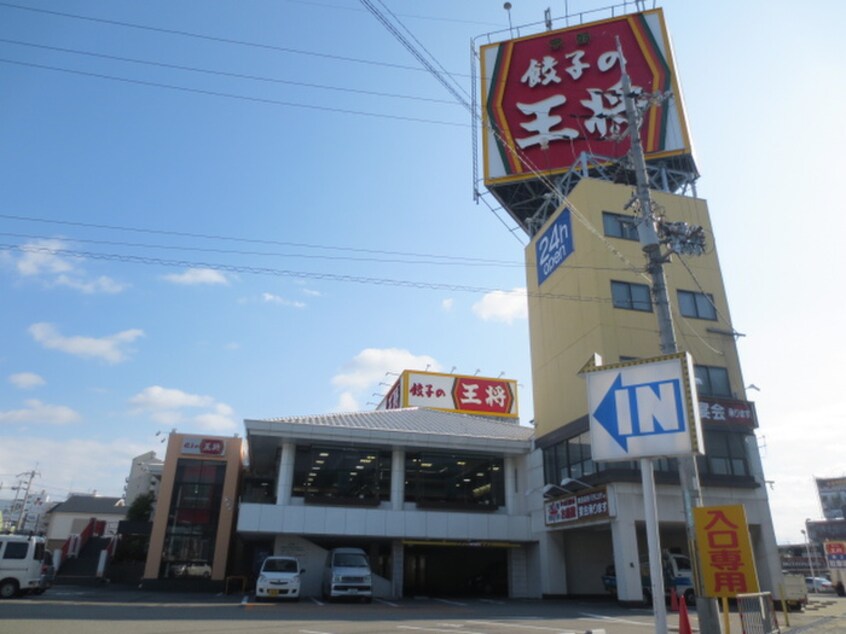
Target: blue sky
279,232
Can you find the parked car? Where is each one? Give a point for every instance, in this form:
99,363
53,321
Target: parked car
677,576
279,578
818,584
22,567
193,569
347,574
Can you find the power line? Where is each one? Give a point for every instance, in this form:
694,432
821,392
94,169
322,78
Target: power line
275,102
264,241
209,38
465,262
221,73
256,270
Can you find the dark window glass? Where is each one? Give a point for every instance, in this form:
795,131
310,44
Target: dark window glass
15,550
631,296
619,226
697,305
193,518
725,453
454,480
342,474
712,380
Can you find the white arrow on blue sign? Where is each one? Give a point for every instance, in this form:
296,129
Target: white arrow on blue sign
643,409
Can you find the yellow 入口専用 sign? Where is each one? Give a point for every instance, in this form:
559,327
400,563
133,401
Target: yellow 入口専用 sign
725,551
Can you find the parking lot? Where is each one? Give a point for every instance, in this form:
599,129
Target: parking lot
83,610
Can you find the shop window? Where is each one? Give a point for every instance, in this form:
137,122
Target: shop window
697,305
619,226
712,380
570,458
631,296
325,474
454,480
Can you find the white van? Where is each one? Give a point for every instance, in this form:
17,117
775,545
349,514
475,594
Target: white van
347,574
21,565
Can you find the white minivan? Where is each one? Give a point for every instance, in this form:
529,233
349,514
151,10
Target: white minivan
347,574
22,567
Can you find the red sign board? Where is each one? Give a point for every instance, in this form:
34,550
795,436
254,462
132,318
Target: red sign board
547,98
204,446
731,411
451,392
589,505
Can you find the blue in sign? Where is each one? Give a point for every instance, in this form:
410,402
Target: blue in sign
554,246
644,409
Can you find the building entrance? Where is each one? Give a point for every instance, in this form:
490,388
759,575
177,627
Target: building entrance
455,571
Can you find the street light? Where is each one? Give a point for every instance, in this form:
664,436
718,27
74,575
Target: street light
810,561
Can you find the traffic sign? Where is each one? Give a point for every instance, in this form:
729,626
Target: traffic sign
643,409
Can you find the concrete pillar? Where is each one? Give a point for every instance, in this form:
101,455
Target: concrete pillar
397,568
510,484
626,559
285,477
398,480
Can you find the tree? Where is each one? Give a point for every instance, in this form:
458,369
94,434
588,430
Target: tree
141,508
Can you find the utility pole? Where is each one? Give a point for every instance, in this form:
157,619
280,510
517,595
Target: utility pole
22,515
647,231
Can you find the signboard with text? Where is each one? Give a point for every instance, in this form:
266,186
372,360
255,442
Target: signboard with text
729,411
454,393
835,554
204,446
589,505
549,97
832,497
643,409
554,246
725,551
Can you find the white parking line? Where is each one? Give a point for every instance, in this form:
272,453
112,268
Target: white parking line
317,601
599,617
386,602
434,629
448,602
522,626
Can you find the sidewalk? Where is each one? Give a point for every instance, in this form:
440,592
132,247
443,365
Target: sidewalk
822,614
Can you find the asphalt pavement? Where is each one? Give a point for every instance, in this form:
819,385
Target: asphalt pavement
122,610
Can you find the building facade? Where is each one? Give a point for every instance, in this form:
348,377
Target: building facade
599,302
193,527
418,489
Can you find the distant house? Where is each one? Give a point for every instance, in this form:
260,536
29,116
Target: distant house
72,516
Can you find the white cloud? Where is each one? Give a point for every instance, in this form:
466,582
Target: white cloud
72,464
193,277
447,304
166,406
347,402
112,348
312,293
38,259
270,298
41,260
26,380
102,284
504,306
372,366
40,413
157,397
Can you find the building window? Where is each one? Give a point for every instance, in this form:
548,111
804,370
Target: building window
697,305
193,518
447,480
631,296
342,475
712,380
619,226
725,453
569,459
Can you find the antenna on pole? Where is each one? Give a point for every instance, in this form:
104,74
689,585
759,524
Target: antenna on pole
507,7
